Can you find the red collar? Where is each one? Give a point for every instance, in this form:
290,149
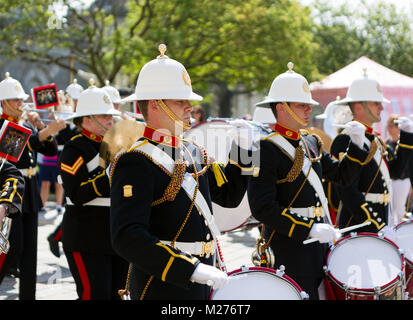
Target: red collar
161,137
369,130
10,118
92,136
287,132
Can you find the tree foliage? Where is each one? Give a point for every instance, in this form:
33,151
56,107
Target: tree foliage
380,31
233,42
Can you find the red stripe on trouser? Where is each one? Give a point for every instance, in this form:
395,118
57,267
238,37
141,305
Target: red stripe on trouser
83,275
2,258
58,234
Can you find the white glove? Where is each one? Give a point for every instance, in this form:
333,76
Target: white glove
324,232
244,136
206,274
356,131
405,124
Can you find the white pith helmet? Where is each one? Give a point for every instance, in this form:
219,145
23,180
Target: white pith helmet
288,87
94,101
74,90
112,91
163,78
364,89
263,115
335,114
11,89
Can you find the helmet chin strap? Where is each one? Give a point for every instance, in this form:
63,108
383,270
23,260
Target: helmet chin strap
367,110
173,115
293,115
19,112
91,117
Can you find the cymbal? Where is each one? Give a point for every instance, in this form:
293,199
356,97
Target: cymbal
324,137
120,137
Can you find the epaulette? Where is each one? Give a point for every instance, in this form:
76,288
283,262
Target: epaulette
75,137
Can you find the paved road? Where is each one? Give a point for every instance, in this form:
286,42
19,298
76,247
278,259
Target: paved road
54,280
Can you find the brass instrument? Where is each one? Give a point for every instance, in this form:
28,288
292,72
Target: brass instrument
5,226
327,141
120,137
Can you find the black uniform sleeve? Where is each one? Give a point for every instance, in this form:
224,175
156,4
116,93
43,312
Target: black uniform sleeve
347,170
401,156
47,147
12,192
80,185
132,193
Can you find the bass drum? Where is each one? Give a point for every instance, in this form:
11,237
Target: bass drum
257,283
216,137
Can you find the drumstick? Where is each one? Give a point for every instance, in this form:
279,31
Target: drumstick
341,231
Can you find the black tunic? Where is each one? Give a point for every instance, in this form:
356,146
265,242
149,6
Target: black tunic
137,226
269,201
355,208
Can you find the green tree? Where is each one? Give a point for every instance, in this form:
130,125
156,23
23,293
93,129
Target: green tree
227,44
346,32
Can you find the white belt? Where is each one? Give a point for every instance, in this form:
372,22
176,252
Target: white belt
382,198
29,172
309,212
100,202
200,248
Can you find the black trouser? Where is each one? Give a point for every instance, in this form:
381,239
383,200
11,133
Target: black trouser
97,276
28,261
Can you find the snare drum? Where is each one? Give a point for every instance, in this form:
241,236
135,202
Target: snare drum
404,239
257,283
365,266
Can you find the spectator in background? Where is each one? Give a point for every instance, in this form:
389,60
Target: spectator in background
48,175
198,114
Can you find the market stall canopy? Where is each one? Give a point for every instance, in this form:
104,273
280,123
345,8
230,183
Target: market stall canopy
397,87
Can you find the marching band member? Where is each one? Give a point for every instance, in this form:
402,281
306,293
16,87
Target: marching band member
286,193
369,197
161,192
66,105
74,90
24,229
400,186
97,270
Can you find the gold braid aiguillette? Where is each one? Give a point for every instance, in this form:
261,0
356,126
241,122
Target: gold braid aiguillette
296,167
175,184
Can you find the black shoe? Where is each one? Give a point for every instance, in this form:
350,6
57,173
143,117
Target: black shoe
54,246
13,272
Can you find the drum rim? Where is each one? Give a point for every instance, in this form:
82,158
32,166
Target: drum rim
404,223
235,228
384,288
283,276
410,221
